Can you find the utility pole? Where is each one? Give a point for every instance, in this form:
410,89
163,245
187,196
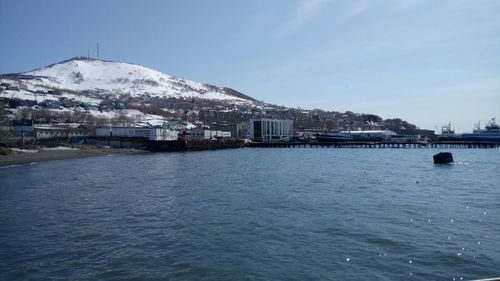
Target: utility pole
98,50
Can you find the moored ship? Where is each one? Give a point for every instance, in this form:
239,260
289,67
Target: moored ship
491,133
333,137
448,134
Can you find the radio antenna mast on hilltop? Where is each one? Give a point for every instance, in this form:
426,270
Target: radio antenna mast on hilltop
97,49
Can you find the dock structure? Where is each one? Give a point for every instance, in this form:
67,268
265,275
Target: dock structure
165,145
194,145
440,145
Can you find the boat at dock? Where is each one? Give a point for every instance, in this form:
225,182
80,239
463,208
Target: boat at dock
333,137
448,134
490,133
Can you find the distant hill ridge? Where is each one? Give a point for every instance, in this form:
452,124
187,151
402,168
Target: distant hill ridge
119,88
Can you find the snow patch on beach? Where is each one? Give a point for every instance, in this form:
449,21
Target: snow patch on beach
59,148
25,150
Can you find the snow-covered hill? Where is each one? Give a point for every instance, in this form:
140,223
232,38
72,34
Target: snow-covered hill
99,77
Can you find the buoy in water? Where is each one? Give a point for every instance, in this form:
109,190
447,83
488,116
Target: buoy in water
443,158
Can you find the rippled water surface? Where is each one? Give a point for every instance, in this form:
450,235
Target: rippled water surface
253,214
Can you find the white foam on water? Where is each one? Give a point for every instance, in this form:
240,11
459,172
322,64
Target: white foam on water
9,166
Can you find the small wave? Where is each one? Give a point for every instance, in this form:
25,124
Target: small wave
10,166
386,242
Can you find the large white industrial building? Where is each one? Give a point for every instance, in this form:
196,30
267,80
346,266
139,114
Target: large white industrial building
269,130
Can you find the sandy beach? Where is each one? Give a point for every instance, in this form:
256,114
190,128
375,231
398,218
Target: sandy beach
10,157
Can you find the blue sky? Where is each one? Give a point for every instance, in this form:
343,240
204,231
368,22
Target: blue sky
428,62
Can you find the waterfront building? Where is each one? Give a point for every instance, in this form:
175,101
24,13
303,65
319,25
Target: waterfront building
154,133
27,130
232,129
204,134
173,124
270,130
23,127
58,133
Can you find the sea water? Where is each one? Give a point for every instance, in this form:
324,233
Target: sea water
254,214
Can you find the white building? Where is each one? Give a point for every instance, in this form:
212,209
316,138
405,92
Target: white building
270,130
203,134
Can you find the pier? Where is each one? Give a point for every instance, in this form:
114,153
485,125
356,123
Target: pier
395,145
194,145
166,146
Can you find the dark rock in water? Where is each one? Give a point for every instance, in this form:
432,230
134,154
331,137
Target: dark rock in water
443,158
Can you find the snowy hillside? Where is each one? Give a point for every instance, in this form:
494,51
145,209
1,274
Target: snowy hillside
98,77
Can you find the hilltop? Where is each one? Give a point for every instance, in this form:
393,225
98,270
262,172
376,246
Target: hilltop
98,78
